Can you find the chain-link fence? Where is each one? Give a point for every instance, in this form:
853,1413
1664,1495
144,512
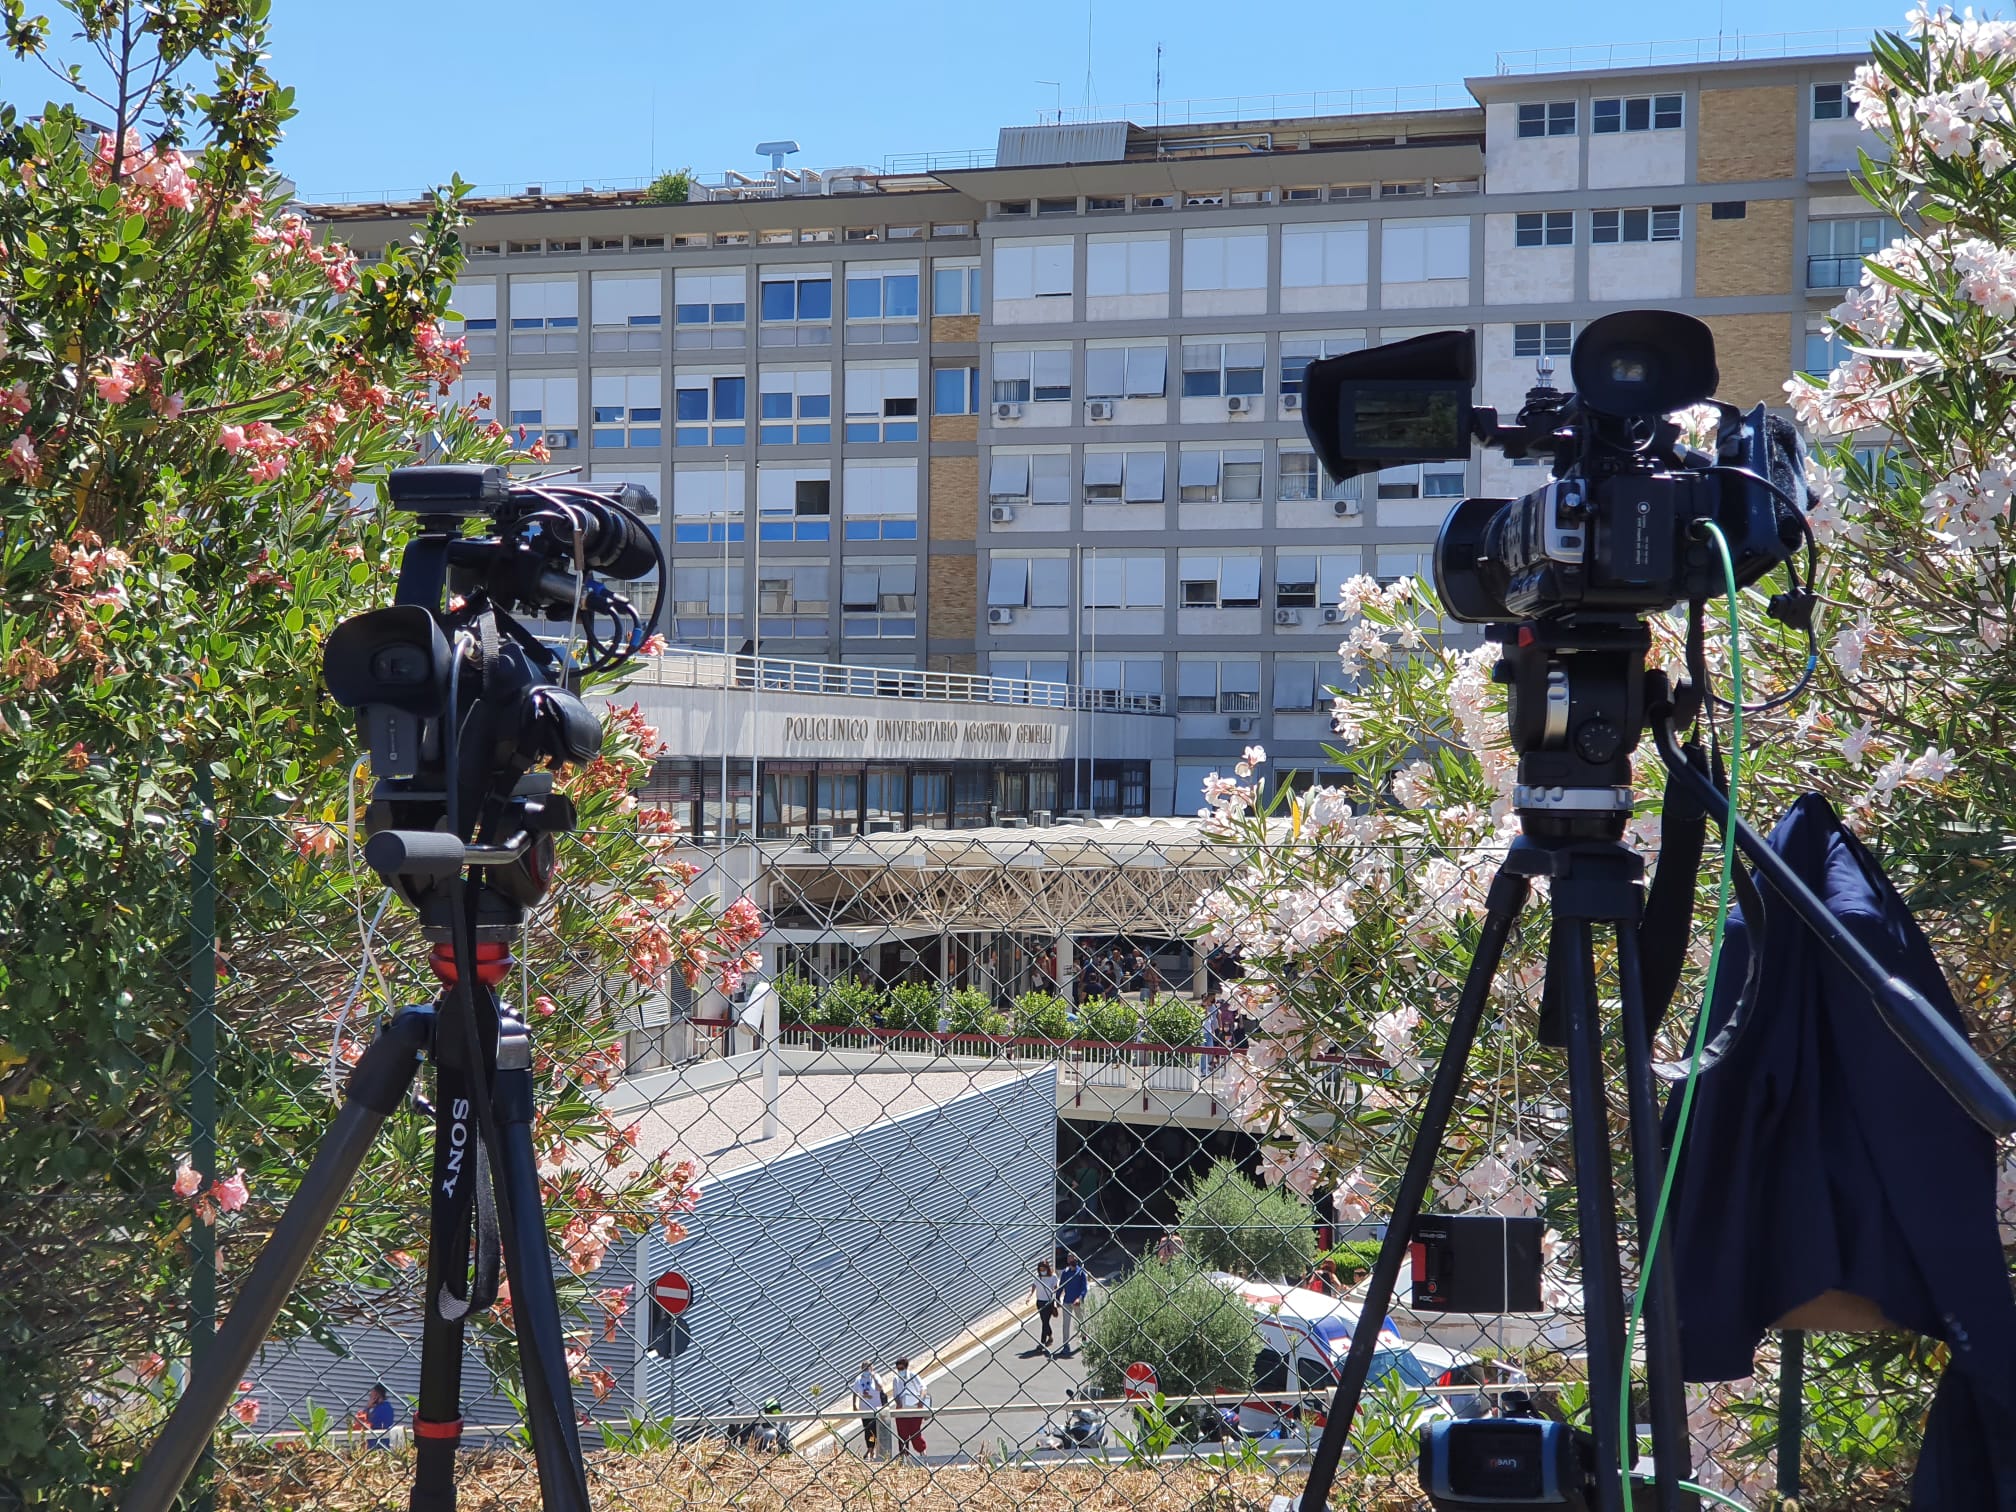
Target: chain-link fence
983,1176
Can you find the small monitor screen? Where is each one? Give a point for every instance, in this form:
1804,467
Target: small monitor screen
1628,369
1419,420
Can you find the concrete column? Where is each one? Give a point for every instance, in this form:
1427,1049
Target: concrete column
1066,966
1200,970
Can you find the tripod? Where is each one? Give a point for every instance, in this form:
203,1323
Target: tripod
1580,698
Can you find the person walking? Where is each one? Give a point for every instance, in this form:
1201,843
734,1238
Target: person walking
1325,1279
908,1396
1045,1293
1169,1246
378,1416
1072,1286
869,1399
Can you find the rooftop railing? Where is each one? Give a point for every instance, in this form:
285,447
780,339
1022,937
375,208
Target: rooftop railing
1290,105
1732,47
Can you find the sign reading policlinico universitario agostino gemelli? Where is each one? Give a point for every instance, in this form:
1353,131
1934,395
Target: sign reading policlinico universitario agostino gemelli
824,735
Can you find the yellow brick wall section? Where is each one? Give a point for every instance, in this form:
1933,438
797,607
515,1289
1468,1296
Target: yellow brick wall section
1754,353
1747,134
955,498
955,427
955,598
1748,256
955,328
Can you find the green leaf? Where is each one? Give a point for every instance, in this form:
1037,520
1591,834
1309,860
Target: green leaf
181,561
37,247
294,619
134,228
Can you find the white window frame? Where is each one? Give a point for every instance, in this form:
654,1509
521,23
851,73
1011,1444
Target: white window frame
803,330
1325,254
1134,476
1424,249
1296,347
555,418
1325,574
721,431
1224,261
1543,228
880,402
1029,580
1217,580
894,614
967,273
1542,338
803,428
627,409
475,300
1029,477
713,282
783,610
882,327
1298,685
1675,104
1251,355
1032,267
1123,263
784,511
1549,118
1206,475
1194,672
1120,579
709,497
1831,95
1615,226
878,498
1144,369
545,321
627,310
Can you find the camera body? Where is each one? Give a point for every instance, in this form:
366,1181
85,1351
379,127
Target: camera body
1616,533
1482,1464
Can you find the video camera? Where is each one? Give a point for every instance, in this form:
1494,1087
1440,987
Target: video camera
1615,533
457,698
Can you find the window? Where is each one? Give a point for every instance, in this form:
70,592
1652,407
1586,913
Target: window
797,406
1825,351
797,307
1104,204
1299,686
955,390
1323,256
476,392
709,309
1636,113
1435,480
793,598
1403,189
1551,118
1297,352
1417,250
1395,565
1729,210
1312,582
1029,478
881,401
476,303
1126,372
1116,265
794,503
1111,580
879,500
1228,367
1057,207
1217,582
882,303
1543,338
1032,582
709,409
706,504
1231,686
1025,268
1225,260
955,288
627,410
1835,248
546,409
1340,192
1544,228
878,599
1024,376
1133,477
628,312
952,228
1658,223
1302,479
545,314
1211,476
703,598
1135,676
1028,669
1830,102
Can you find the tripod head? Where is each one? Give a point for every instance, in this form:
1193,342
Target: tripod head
457,699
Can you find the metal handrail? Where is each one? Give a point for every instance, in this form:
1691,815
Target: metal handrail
681,667
1726,48
1282,106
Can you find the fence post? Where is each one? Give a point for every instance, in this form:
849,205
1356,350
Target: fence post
203,1099
1791,1408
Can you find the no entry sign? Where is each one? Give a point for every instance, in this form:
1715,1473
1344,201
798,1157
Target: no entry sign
671,1292
1140,1380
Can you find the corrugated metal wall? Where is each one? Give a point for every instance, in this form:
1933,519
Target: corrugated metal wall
885,1243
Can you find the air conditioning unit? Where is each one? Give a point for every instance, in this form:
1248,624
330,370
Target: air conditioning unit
1344,509
819,837
1042,818
1291,403
1333,616
1000,514
1007,412
880,827
1240,724
1287,616
1099,409
1011,821
1000,616
1240,404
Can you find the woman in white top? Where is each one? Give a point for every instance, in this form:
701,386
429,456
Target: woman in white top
868,1398
1045,1293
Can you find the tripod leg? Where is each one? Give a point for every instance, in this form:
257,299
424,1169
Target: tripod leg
1507,896
375,1090
1595,1211
437,1417
1671,1451
528,1260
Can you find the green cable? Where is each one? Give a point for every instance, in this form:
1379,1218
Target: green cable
1727,1501
1624,1439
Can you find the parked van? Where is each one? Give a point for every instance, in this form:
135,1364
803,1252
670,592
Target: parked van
1304,1336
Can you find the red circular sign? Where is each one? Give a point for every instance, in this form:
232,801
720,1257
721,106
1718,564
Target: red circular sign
671,1292
1140,1380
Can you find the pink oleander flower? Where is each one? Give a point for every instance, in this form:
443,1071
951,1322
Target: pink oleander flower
231,438
231,1193
22,460
188,1180
116,384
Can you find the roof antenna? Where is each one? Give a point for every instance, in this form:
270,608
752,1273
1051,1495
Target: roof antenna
1158,99
1088,59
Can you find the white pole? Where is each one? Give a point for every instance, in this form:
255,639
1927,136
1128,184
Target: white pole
1077,677
773,1056
756,685
725,661
1092,731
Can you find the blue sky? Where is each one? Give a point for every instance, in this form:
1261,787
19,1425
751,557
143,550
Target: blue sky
396,96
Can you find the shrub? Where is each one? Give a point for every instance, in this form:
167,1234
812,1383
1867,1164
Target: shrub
1172,1021
1230,1222
1041,1015
973,1012
1110,1019
670,188
850,1004
912,1005
1198,1337
797,1000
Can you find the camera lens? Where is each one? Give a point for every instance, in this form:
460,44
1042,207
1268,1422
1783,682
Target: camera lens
400,666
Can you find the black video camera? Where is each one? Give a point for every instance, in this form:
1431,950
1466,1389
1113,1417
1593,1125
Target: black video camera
1522,1460
459,700
1617,531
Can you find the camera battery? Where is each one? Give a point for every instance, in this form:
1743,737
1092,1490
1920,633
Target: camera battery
1487,1463
1476,1263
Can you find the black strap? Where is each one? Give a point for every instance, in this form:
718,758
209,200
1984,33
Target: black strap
1669,901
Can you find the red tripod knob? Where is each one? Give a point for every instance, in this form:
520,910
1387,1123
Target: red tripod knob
493,963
